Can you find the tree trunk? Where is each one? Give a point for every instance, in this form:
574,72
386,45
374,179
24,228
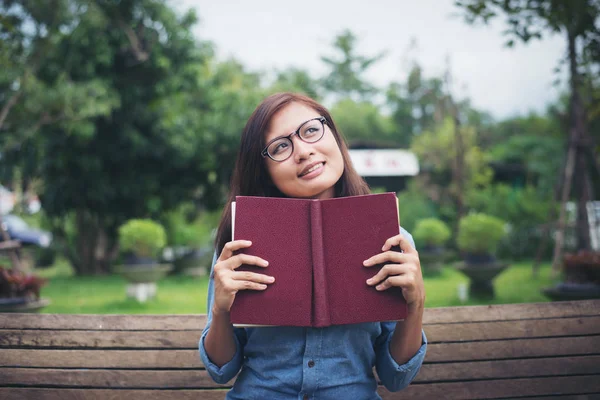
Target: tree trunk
94,250
577,132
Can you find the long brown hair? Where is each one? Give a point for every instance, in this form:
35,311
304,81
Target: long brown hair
250,176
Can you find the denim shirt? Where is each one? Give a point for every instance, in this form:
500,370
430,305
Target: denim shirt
335,362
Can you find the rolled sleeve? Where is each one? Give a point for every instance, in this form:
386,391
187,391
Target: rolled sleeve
393,375
228,371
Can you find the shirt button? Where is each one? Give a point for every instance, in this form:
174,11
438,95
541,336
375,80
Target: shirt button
311,364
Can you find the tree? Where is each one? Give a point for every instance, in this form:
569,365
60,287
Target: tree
577,20
295,80
151,150
363,122
346,69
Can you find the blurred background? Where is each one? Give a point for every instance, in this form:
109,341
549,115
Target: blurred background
120,122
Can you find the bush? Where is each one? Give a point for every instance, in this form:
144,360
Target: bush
143,237
431,232
414,205
480,233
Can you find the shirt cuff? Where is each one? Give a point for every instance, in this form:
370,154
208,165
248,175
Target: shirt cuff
226,372
414,363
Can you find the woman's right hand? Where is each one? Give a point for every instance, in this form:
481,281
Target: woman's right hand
228,281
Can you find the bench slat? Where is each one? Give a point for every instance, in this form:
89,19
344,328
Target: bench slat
189,339
510,312
162,379
507,349
523,368
100,339
513,329
490,389
577,385
189,359
439,315
107,394
100,358
102,322
107,378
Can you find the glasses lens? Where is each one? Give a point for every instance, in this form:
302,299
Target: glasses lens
312,131
280,149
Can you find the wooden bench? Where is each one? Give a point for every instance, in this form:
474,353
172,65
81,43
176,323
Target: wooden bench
540,351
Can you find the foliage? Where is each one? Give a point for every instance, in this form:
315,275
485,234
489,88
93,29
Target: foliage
414,205
143,237
362,121
531,19
525,209
185,227
479,233
296,80
431,232
346,69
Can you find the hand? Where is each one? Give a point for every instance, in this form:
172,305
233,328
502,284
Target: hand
228,281
401,270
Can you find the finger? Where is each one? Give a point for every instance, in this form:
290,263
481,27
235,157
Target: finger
252,277
387,270
247,285
237,260
401,281
231,247
387,257
401,241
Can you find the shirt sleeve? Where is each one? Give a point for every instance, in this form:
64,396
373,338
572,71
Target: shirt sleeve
393,375
226,372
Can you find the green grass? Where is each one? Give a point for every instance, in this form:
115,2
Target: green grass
186,295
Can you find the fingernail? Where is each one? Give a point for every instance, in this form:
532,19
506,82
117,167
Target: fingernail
265,263
271,279
369,281
379,287
366,262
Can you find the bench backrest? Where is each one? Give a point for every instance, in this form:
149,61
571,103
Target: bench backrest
500,351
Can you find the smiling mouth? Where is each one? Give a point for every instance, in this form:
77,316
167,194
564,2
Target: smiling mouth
313,168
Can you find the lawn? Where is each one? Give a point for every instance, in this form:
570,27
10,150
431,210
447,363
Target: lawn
186,295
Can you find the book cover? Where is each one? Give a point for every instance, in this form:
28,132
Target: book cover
315,250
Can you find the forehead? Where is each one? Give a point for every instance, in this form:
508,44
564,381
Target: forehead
288,119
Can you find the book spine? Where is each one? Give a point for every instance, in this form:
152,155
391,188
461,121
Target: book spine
320,312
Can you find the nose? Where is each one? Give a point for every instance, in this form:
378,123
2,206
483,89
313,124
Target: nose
302,150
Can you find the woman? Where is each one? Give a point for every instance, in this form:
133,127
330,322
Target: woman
290,147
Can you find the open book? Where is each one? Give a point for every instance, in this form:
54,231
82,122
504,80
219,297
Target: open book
316,250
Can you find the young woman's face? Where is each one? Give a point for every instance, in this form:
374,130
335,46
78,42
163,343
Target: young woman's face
323,158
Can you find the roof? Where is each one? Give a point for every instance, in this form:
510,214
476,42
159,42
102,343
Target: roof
385,162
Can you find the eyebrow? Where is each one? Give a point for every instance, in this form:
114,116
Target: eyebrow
288,134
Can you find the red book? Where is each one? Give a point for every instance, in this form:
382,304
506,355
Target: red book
315,250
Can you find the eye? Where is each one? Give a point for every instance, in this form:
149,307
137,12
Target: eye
279,147
312,129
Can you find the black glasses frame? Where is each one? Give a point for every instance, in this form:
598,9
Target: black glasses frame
265,152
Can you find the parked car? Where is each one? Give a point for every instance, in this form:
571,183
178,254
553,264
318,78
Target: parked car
19,230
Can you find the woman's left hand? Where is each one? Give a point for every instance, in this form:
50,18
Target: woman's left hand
402,270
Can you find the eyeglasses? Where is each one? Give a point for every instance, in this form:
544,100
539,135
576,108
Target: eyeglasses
280,149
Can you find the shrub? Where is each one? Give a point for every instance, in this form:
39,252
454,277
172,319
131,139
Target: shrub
480,233
143,237
431,232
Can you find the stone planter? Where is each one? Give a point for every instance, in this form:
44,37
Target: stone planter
432,260
572,291
22,305
142,279
481,276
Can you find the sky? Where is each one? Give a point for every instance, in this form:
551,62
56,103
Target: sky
269,34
